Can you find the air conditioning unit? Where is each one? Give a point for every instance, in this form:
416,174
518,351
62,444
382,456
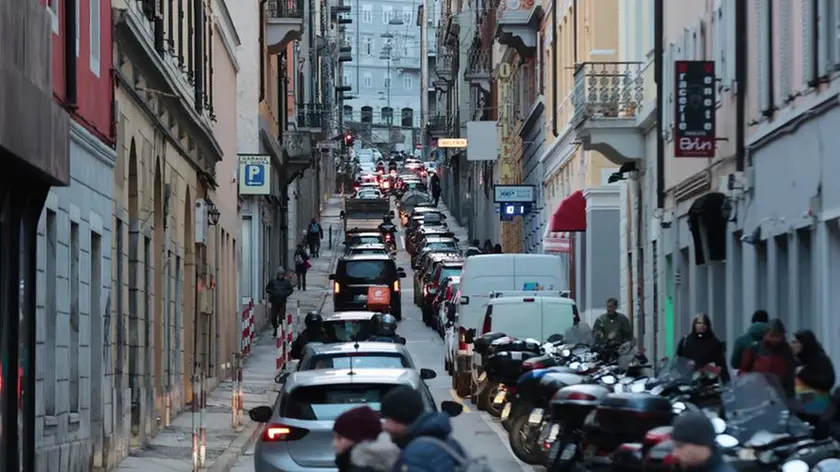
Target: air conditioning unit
201,222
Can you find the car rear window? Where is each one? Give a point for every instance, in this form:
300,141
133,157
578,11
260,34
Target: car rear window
442,245
328,402
368,251
432,219
449,272
362,272
360,360
348,330
357,240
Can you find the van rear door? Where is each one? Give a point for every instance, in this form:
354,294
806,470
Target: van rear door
518,317
533,272
558,315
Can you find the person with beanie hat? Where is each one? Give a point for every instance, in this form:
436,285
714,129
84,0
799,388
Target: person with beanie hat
409,422
360,444
694,444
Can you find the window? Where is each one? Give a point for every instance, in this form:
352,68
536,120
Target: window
361,361
368,45
348,113
95,36
96,324
387,81
764,55
368,271
408,83
809,48
50,312
328,402
368,80
407,117
367,14
804,252
387,115
78,27
785,51
75,285
407,15
367,117
53,9
828,39
387,14
346,79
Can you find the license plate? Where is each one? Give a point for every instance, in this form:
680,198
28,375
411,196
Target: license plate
536,416
499,398
554,432
568,452
506,411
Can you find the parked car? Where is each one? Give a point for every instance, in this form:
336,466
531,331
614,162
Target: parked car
361,355
354,275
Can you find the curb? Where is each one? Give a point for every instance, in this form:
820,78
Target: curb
228,459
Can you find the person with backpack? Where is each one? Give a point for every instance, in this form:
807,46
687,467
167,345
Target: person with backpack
424,438
772,355
314,235
753,336
301,266
278,290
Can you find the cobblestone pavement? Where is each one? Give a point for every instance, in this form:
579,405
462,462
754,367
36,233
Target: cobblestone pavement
171,448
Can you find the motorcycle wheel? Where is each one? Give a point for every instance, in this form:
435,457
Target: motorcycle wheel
519,438
486,397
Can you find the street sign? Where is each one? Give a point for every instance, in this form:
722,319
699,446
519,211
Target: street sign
514,194
254,174
458,143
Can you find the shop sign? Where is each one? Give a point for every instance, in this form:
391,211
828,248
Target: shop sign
694,109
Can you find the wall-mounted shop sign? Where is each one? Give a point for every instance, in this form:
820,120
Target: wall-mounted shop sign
694,108
254,174
504,110
452,143
514,194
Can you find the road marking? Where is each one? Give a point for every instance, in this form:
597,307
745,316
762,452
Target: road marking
454,396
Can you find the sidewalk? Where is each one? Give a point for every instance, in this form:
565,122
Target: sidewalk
457,230
171,448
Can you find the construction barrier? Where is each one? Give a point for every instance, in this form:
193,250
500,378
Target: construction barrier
285,339
248,331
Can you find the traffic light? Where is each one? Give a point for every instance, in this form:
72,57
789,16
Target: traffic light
349,140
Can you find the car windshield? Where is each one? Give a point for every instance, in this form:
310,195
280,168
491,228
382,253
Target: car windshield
437,245
361,360
756,409
366,272
366,158
348,330
356,240
433,219
328,402
447,272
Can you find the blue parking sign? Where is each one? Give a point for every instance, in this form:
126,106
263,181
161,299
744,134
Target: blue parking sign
254,175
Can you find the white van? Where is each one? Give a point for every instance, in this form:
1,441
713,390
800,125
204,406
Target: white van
484,274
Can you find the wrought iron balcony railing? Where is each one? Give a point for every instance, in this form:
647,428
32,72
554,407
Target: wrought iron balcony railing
311,115
444,65
437,124
478,65
277,9
605,90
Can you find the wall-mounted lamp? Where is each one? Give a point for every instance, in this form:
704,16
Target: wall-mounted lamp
624,169
213,213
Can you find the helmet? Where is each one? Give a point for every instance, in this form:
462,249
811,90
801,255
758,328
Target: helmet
313,320
387,325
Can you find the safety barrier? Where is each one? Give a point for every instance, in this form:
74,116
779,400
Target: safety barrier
248,331
284,343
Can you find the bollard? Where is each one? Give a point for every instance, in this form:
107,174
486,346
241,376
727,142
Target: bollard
194,418
330,237
278,363
235,391
299,319
289,335
202,421
167,415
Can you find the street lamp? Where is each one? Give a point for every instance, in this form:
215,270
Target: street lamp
213,213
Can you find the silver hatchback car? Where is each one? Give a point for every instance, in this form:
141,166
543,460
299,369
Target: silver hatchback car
297,435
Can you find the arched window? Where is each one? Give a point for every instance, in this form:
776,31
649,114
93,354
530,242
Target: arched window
407,118
367,114
387,115
348,113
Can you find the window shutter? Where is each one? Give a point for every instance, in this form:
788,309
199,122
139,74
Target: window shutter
834,31
827,33
718,44
785,51
729,40
688,44
668,90
763,57
701,41
807,42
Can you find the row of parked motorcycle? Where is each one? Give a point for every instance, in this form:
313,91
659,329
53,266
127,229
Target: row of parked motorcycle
570,405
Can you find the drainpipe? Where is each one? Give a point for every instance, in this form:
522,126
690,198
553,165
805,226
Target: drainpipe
741,77
574,31
554,98
659,74
198,51
70,65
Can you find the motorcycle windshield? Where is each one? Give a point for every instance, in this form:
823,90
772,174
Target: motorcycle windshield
756,410
578,335
626,355
678,370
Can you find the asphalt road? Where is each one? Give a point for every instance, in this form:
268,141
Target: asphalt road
480,434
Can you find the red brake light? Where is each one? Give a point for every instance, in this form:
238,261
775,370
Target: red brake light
462,336
581,396
280,432
488,324
528,300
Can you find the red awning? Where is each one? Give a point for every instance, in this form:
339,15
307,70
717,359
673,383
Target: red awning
570,215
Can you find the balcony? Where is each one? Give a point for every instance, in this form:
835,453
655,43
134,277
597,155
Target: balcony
284,23
297,146
444,66
311,116
438,125
479,65
607,99
519,27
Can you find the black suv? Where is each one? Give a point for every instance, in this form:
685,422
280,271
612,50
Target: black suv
355,274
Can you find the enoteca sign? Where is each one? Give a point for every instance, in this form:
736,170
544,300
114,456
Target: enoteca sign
695,106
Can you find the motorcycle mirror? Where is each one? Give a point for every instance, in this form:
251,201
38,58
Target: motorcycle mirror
797,465
726,441
719,425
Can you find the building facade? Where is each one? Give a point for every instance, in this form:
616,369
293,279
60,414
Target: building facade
34,151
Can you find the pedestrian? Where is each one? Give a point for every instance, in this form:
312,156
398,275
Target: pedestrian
488,247
278,290
473,249
612,327
497,249
695,445
301,266
425,438
314,235
754,334
772,355
360,443
313,332
435,181
814,376
702,347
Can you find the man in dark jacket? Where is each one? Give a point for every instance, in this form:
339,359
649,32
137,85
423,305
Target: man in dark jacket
772,355
694,444
278,290
612,327
312,333
417,433
753,336
435,181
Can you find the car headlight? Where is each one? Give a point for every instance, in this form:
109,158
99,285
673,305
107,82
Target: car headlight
796,465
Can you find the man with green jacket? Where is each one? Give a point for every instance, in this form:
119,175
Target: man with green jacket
612,327
753,335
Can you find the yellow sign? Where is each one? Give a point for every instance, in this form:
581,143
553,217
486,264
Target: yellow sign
452,143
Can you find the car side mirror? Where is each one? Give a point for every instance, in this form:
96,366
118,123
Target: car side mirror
262,414
401,340
281,377
341,214
427,374
452,409
464,300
